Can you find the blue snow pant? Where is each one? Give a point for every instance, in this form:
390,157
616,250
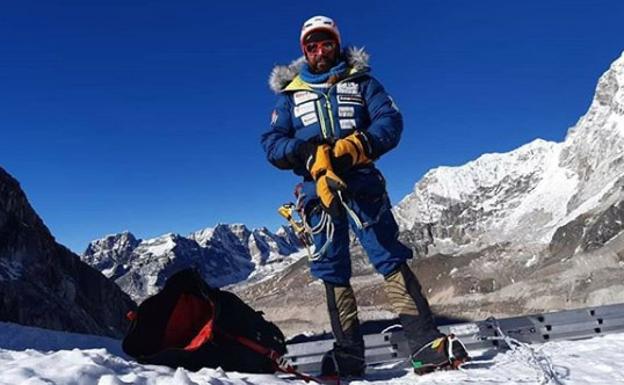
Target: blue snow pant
368,199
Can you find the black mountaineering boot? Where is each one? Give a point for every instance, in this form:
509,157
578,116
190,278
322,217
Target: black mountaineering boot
346,359
430,348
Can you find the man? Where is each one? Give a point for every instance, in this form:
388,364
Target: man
331,122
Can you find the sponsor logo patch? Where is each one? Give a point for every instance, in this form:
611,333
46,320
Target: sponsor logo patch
304,108
304,96
348,88
350,99
309,119
346,111
347,124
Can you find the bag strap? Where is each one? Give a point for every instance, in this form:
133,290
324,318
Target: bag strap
281,364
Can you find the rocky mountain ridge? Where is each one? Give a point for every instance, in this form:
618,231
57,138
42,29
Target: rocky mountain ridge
43,283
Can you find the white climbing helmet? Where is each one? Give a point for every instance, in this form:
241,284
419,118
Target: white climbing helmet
316,23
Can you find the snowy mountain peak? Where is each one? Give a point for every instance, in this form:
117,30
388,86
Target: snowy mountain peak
202,236
486,177
161,245
525,194
609,91
593,147
608,99
111,253
232,233
110,241
487,170
222,232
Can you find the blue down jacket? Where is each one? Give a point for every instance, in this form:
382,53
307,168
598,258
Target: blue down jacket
305,113
358,102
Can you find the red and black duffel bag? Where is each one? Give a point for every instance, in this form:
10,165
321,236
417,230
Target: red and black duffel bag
192,325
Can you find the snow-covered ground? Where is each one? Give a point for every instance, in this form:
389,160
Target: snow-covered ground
35,356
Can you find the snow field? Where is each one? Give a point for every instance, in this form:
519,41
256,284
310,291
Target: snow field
33,356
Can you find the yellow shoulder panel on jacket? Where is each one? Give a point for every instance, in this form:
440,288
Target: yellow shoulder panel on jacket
353,71
297,84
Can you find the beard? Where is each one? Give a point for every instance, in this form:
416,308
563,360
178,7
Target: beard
322,63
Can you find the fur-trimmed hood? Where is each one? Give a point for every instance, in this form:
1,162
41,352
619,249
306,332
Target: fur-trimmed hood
281,75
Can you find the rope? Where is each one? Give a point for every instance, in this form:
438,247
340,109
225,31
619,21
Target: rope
520,352
350,212
392,327
325,224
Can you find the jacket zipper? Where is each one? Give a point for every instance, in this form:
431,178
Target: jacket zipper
332,134
322,122
331,116
328,105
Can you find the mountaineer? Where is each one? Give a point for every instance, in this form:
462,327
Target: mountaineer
332,120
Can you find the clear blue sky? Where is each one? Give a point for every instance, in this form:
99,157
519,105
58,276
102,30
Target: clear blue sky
145,115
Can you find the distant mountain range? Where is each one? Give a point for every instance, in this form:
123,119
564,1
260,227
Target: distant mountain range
225,254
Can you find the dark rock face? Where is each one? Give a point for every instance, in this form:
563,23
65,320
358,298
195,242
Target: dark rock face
419,238
566,239
605,227
43,283
587,232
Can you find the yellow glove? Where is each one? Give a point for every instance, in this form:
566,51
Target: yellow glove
350,152
327,182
